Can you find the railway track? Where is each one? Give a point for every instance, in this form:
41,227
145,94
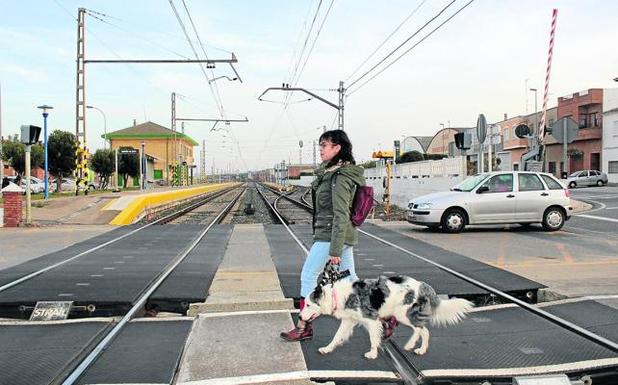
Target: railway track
405,368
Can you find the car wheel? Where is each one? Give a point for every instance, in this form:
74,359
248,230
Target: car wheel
600,183
453,221
553,219
572,185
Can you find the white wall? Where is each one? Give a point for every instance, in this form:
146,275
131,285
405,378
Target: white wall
610,131
411,180
414,179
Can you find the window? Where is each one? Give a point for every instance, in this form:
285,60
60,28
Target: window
551,183
612,167
500,183
551,168
529,182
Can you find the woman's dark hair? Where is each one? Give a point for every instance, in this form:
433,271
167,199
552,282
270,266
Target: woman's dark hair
339,137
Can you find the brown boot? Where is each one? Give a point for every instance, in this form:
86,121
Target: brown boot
298,334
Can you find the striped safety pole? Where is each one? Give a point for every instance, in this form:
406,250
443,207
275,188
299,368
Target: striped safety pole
542,130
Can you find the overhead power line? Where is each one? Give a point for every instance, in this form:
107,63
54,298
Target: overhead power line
184,30
313,44
385,40
302,51
411,48
402,44
216,88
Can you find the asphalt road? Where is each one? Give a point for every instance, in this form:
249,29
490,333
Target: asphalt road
580,260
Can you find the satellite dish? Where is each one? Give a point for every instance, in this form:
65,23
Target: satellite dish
522,131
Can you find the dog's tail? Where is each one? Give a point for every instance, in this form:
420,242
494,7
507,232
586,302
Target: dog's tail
450,311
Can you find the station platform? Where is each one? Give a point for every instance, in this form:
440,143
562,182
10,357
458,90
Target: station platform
239,284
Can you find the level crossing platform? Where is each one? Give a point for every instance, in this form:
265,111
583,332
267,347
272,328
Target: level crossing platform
239,283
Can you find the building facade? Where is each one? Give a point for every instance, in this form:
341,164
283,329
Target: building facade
586,108
160,145
609,155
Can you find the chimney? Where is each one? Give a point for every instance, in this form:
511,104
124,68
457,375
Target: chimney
505,116
135,122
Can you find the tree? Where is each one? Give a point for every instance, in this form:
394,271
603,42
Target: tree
128,164
102,163
14,152
61,147
410,156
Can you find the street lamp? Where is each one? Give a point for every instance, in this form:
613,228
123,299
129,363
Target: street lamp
104,125
536,116
222,77
45,107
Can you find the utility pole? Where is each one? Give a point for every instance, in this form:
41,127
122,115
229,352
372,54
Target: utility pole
300,152
174,155
341,91
314,155
80,90
203,160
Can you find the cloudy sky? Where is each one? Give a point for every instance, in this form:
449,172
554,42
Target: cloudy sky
478,62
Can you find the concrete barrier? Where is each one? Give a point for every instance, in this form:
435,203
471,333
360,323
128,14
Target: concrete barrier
140,202
410,180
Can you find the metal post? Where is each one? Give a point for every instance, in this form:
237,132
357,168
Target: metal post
46,182
174,156
45,107
564,147
489,163
80,92
341,91
141,165
481,161
28,197
314,155
116,167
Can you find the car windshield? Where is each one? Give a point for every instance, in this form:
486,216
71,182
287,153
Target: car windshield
470,183
575,174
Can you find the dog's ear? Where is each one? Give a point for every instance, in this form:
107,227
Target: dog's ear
317,294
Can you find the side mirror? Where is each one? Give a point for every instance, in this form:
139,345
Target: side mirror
482,189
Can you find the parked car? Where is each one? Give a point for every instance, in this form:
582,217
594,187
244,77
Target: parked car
67,184
36,185
587,178
498,197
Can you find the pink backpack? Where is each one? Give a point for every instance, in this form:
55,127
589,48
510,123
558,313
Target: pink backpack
362,205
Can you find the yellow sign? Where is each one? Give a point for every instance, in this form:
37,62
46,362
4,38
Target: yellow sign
382,154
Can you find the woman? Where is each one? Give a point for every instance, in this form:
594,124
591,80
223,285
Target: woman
333,233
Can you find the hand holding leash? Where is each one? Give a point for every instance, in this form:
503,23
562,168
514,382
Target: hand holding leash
335,260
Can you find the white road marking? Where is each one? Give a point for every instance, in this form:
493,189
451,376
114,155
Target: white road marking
598,218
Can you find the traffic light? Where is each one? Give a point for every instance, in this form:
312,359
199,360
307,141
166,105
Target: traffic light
463,141
30,134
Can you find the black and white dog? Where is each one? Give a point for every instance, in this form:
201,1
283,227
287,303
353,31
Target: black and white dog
368,301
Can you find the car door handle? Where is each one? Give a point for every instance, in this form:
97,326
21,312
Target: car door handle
544,194
510,196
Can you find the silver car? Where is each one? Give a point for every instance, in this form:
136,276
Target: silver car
498,197
587,178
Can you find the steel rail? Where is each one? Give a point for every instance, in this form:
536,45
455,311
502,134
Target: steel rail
102,346
402,366
274,210
60,263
